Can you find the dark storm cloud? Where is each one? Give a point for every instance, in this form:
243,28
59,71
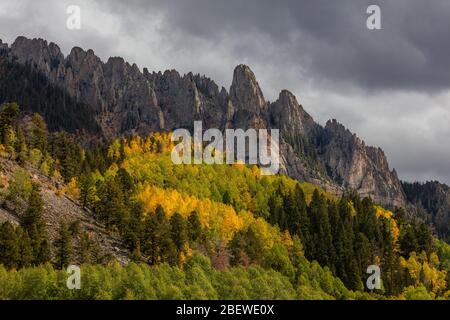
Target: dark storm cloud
328,38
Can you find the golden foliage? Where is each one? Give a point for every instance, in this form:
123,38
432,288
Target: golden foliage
424,270
72,189
380,212
220,218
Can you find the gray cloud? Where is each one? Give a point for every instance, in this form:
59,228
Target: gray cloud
391,86
328,38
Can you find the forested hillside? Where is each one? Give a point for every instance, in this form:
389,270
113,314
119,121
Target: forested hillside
433,200
200,231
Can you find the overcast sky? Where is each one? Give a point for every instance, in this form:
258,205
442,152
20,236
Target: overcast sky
390,86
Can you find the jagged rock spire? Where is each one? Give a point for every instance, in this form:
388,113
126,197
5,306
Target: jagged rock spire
249,106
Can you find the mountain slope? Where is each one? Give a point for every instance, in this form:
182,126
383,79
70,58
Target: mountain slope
434,198
221,218
122,99
58,207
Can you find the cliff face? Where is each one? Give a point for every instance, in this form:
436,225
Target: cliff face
433,198
353,164
125,100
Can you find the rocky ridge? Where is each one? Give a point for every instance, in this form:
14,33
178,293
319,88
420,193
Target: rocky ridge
126,100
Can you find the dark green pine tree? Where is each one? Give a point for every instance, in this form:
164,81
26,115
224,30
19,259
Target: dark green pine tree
237,248
111,208
292,213
9,246
336,225
64,148
26,250
39,133
44,255
298,219
168,249
157,244
407,240
63,246
194,227
388,258
84,248
33,214
348,257
246,247
340,242
126,181
87,189
136,254
227,198
366,218
277,213
178,231
34,225
133,226
363,253
21,148
322,229
8,114
151,238
424,238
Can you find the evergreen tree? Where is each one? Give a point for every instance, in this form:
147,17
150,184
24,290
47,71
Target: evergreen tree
304,219
347,255
8,114
111,208
424,238
168,249
277,214
136,254
178,230
21,147
39,133
34,225
125,180
26,250
151,238
64,149
87,190
33,214
63,246
321,228
363,253
44,254
84,248
9,247
133,226
246,247
407,240
237,248
388,258
194,227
